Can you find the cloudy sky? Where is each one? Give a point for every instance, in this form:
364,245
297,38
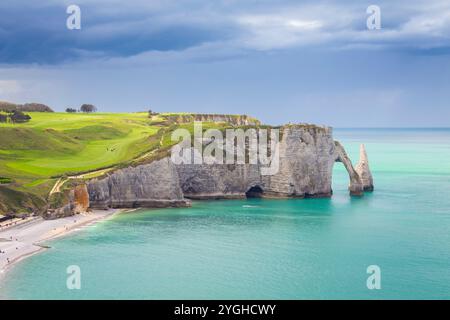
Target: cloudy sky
281,61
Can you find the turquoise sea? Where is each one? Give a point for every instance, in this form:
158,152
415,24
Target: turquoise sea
274,249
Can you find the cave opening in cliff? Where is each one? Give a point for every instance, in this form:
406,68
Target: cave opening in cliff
254,192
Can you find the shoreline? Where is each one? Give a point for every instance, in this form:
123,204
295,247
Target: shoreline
24,240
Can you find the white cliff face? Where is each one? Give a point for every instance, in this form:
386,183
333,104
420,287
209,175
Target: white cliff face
307,156
363,170
306,163
237,120
218,181
151,185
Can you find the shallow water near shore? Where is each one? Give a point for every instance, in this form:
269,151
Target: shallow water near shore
270,249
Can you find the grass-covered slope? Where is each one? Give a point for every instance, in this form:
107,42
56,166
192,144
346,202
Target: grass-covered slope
34,155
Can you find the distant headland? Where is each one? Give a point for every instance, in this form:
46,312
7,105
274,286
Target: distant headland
59,164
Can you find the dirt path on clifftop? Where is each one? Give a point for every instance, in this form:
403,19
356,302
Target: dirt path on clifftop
57,187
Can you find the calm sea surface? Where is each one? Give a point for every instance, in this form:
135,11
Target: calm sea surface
270,249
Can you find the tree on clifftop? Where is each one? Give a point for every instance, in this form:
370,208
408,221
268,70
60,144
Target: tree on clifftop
88,108
151,113
19,117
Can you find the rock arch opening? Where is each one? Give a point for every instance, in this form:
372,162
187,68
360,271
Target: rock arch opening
355,187
254,192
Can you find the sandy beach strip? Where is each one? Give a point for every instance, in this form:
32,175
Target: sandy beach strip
23,240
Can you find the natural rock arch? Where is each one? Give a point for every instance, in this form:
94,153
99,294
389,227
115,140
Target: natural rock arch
355,187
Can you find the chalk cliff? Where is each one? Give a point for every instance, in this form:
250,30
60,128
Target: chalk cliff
307,155
363,170
236,120
151,185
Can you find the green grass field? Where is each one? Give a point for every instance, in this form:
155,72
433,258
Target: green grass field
34,154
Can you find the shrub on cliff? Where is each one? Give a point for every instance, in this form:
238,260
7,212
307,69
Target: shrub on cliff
88,108
4,180
14,117
7,106
27,107
19,117
34,107
151,113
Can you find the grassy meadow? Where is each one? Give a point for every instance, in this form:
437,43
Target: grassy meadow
35,154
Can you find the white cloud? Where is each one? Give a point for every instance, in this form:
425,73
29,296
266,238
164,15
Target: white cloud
343,26
9,88
234,28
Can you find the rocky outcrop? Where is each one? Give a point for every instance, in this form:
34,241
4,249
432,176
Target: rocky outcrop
80,199
151,185
77,202
307,154
363,170
235,120
306,163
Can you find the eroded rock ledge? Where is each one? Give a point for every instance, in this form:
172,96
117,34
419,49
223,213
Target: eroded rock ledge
236,120
307,156
151,185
